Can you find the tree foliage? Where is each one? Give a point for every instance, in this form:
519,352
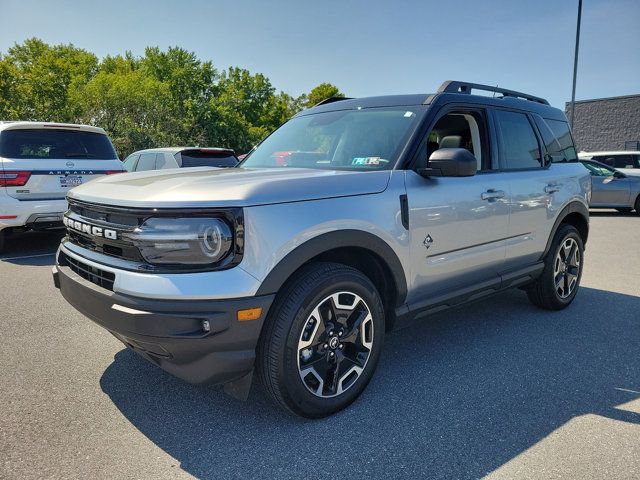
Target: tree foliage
163,98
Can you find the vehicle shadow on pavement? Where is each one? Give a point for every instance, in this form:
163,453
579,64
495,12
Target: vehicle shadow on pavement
32,248
611,213
455,396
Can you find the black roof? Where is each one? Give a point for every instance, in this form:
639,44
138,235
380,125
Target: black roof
449,91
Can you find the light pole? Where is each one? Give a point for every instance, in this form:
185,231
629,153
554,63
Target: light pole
575,64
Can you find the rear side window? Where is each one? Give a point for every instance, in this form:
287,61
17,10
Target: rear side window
518,142
618,161
161,161
557,139
55,144
147,162
195,158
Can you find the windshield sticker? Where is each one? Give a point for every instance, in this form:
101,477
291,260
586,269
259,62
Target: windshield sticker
365,161
409,114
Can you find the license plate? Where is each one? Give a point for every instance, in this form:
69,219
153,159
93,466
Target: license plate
70,181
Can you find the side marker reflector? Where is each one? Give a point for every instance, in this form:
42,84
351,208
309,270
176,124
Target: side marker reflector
249,314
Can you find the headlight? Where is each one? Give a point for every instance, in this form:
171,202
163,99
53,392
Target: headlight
197,241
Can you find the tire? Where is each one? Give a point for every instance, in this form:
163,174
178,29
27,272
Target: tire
637,205
545,292
298,353
3,240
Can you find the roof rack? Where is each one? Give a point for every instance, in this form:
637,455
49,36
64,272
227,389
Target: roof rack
331,100
453,86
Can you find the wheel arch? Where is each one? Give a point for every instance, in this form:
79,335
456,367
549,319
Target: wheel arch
576,214
359,249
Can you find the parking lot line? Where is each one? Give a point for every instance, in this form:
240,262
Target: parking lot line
28,256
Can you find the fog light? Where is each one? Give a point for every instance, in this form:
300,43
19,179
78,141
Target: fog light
206,326
249,314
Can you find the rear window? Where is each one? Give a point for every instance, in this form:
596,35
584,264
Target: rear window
195,158
59,144
557,138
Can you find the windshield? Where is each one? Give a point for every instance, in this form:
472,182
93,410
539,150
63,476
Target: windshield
50,143
368,139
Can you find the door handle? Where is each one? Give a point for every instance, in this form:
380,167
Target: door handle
551,188
492,194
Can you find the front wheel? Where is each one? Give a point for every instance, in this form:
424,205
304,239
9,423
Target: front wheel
322,340
3,239
558,284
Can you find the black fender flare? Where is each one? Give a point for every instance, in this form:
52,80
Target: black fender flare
325,242
573,207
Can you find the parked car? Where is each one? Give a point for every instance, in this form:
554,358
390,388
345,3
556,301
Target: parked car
610,188
39,163
179,157
625,160
297,265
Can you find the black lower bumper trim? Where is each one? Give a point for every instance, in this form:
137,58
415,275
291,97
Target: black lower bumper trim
172,333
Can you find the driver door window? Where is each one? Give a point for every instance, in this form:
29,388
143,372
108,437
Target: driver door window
460,130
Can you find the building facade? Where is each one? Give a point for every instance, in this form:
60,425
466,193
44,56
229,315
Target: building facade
606,123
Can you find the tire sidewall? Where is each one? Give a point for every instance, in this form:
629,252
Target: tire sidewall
291,384
564,234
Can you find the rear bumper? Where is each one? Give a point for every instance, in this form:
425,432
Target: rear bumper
170,333
34,214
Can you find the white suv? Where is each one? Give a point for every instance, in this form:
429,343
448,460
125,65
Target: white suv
39,163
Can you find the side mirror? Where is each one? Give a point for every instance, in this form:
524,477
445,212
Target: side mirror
450,162
618,174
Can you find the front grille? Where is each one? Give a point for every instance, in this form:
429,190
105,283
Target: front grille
95,275
124,220
119,219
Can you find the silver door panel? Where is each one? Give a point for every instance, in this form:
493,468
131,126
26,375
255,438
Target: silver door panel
457,238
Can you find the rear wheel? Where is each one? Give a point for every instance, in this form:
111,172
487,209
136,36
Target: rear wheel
558,284
637,205
322,340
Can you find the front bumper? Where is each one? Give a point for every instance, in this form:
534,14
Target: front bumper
170,333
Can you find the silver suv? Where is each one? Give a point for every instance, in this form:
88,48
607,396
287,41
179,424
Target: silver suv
353,218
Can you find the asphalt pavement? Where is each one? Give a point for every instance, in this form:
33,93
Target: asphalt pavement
496,388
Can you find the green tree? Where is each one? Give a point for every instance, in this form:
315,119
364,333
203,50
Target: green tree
133,107
163,98
322,92
44,78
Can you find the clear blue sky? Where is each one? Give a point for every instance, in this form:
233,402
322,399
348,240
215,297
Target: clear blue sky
364,47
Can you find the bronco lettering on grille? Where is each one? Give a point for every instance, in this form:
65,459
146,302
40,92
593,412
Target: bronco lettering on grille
90,229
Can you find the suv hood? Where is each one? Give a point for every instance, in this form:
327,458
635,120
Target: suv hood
229,187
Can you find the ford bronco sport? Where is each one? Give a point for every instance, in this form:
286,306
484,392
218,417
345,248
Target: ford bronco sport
354,217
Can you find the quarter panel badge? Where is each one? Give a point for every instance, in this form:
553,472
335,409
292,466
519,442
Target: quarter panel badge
428,241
